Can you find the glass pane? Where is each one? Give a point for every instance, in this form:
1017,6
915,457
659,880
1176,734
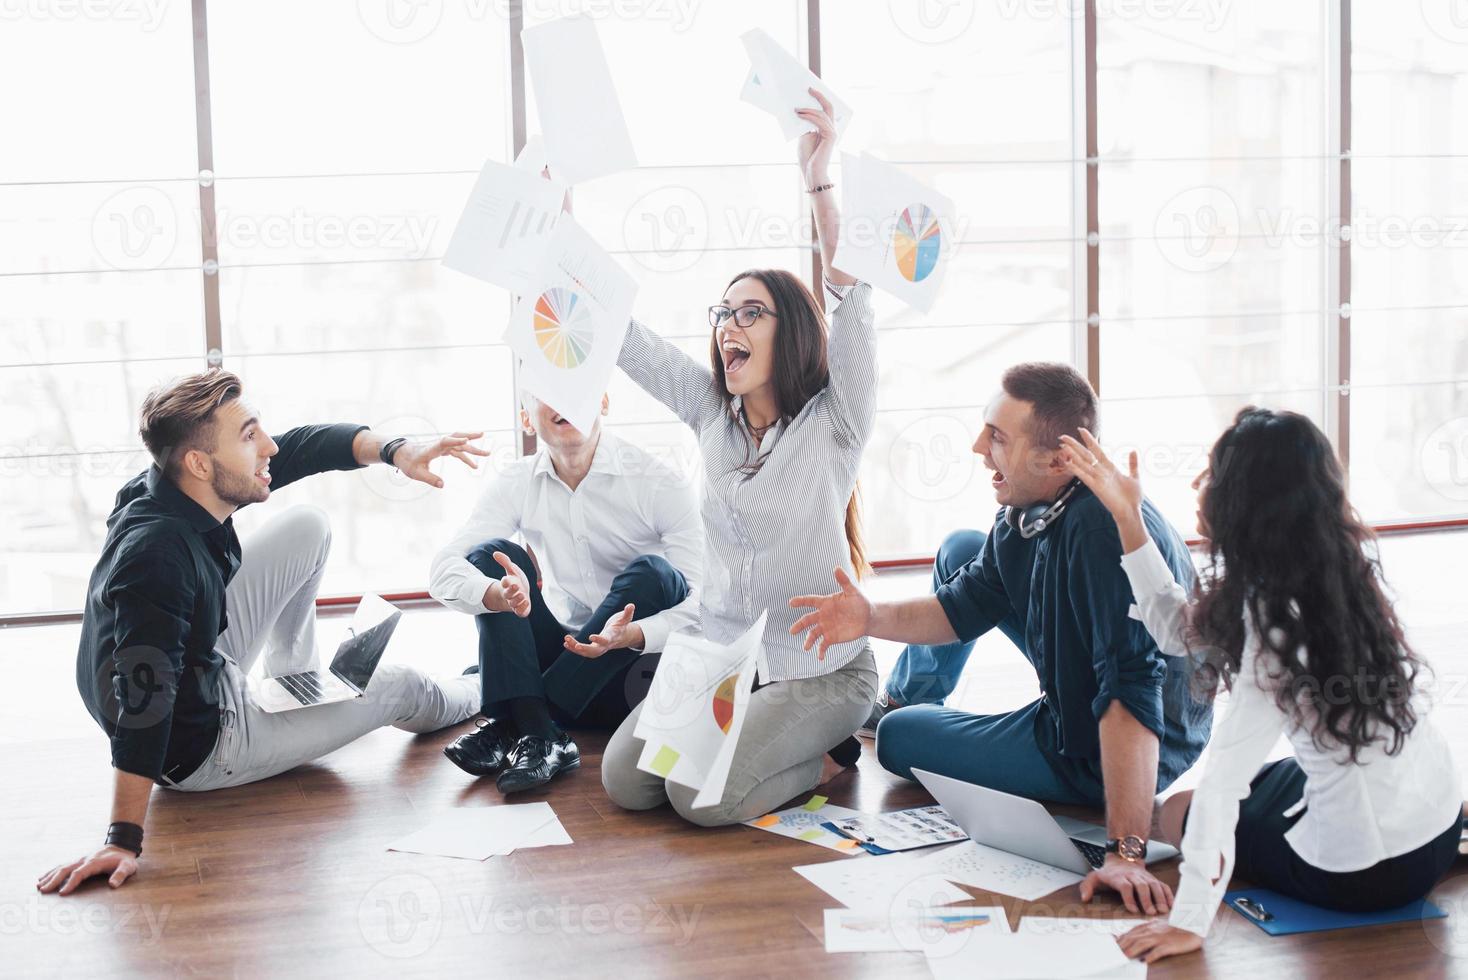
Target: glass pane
1215,354
1396,347
357,88
101,316
1409,451
406,393
1172,437
1236,79
1409,232
952,81
97,91
1408,76
102,227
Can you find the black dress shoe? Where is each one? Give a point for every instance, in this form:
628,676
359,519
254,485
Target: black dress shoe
535,761
483,750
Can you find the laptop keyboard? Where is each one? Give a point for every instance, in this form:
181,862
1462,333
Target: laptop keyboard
1093,853
305,687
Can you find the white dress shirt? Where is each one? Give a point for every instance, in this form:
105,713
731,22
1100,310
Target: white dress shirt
1356,814
778,531
629,504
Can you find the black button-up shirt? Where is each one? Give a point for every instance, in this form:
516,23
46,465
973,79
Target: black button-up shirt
1067,594
147,668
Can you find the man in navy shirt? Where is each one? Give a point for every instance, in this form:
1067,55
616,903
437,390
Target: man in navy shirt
1115,722
177,611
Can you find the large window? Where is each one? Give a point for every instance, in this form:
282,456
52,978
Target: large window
344,138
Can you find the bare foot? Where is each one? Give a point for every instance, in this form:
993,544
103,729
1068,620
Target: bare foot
830,769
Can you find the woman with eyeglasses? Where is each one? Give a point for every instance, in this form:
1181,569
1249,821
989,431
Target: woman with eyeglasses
782,414
1293,617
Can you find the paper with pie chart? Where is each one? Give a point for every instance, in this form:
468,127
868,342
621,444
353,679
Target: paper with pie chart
567,327
694,711
896,233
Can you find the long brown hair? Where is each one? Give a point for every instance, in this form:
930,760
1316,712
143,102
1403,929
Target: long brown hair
1288,550
801,371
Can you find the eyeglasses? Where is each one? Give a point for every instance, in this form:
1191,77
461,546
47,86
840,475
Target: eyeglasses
745,316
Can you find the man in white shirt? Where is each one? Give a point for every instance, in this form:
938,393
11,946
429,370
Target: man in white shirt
618,536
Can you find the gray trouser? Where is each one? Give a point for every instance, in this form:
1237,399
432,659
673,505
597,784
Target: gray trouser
790,726
271,602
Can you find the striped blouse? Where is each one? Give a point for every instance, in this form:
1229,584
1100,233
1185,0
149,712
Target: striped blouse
779,531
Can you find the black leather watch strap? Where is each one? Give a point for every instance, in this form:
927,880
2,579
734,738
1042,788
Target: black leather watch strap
390,447
128,836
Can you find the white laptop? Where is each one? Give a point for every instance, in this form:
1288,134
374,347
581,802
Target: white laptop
1024,827
356,660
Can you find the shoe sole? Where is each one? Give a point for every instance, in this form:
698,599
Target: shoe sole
530,786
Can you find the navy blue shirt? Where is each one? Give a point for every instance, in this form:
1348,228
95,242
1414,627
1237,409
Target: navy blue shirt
1065,592
147,668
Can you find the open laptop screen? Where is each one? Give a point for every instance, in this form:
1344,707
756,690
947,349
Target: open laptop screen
359,653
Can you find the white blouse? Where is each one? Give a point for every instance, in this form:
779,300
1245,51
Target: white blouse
1356,814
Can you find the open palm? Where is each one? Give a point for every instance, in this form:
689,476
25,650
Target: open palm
837,618
1120,492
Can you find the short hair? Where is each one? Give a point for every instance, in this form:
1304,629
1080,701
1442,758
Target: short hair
178,416
1062,401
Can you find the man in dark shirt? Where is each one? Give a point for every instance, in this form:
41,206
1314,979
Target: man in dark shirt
177,611
1115,722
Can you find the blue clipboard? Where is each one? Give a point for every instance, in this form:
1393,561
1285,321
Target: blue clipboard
1291,916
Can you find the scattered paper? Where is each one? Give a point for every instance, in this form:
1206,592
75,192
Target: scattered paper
902,830
580,116
855,931
993,870
805,823
506,226
476,833
567,328
694,711
532,158
1029,955
779,84
887,884
896,233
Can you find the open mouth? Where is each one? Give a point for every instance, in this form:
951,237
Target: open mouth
736,355
263,475
997,480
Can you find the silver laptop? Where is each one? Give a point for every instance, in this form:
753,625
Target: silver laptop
351,669
1024,827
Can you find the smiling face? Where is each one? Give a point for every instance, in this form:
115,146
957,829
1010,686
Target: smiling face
238,467
1024,473
748,352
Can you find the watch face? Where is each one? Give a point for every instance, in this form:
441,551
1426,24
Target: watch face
1132,848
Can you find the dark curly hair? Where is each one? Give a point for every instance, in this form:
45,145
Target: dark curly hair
1289,552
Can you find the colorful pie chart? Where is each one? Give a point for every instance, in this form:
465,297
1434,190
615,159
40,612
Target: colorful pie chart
563,327
917,241
724,703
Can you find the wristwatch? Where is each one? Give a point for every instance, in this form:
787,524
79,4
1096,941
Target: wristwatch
1129,848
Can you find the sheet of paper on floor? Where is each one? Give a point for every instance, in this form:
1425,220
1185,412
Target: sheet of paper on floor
883,884
803,823
857,931
1069,954
476,833
693,713
995,871
581,117
567,329
903,830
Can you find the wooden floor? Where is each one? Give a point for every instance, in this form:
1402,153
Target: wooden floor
291,875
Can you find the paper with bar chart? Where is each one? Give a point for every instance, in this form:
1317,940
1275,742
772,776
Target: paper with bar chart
693,714
566,329
779,84
896,233
505,226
